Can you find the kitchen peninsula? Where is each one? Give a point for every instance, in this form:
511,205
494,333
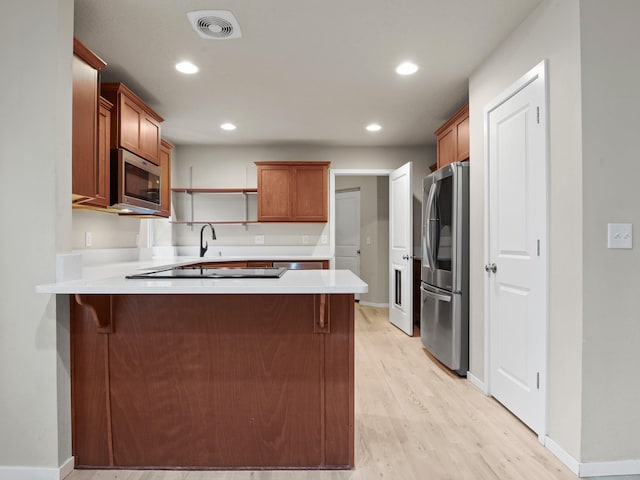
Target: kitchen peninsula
213,373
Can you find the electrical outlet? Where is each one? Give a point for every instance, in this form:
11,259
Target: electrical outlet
259,239
323,239
368,240
305,239
88,239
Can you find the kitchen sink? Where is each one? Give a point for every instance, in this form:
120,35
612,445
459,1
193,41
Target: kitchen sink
181,272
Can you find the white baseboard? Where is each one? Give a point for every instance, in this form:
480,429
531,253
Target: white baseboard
593,469
476,382
605,469
562,455
372,304
67,468
37,473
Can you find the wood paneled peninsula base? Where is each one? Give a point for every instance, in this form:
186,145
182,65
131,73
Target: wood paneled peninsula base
213,381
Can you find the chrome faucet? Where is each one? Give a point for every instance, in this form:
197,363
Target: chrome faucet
203,248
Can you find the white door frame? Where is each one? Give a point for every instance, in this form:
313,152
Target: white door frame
353,172
539,71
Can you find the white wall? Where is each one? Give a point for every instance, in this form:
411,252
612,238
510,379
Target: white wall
107,230
552,32
611,169
35,193
211,166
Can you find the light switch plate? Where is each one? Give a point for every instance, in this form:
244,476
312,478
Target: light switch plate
259,240
619,235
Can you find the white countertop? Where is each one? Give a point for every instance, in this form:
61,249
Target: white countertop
110,279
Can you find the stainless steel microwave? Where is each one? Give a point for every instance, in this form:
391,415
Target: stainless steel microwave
135,183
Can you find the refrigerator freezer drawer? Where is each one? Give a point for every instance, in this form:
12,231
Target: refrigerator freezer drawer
444,327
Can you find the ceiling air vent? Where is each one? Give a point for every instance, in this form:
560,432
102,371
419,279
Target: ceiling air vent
215,24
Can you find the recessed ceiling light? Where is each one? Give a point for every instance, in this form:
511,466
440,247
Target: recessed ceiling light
186,67
374,127
406,68
228,126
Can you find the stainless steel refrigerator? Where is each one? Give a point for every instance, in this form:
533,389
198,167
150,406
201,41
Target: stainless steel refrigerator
444,288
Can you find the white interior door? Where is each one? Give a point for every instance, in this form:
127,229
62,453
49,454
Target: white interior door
348,232
517,254
401,249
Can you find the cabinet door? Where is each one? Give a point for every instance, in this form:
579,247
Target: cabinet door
150,139
274,193
102,173
130,119
259,264
84,130
446,147
310,193
165,179
453,138
462,139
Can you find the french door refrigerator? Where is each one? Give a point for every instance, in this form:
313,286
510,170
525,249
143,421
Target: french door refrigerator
444,286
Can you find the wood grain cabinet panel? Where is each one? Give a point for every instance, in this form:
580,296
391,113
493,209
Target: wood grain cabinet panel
452,138
215,381
274,193
310,193
292,191
102,173
86,67
165,178
134,125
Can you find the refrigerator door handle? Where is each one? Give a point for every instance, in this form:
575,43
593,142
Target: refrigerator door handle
437,296
427,228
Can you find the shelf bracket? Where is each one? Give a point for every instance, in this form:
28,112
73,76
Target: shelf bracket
100,309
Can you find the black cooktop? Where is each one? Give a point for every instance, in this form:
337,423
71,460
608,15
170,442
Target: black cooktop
182,272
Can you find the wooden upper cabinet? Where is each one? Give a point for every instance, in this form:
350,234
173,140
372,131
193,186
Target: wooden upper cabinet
274,192
309,202
103,174
292,191
453,138
165,179
86,172
134,125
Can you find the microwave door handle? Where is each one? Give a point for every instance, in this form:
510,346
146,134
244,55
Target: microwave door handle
428,246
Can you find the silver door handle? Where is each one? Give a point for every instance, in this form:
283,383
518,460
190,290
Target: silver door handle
491,268
408,257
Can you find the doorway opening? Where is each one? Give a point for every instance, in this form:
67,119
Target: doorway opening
370,258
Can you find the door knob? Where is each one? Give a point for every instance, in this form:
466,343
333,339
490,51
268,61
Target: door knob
491,268
408,257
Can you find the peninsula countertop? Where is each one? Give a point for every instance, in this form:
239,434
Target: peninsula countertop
110,279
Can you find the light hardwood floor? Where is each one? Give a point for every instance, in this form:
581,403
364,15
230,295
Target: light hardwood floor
414,421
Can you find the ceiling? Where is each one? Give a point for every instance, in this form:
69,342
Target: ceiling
304,71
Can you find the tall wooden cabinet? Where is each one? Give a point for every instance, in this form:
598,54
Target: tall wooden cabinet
453,138
165,178
134,125
103,176
292,191
88,175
